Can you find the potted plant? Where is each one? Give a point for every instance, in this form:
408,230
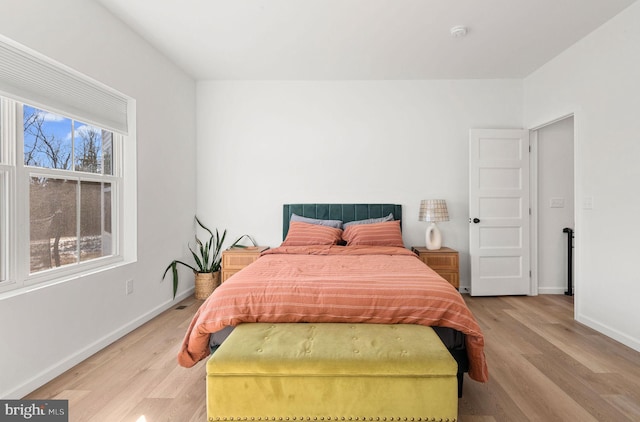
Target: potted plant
207,257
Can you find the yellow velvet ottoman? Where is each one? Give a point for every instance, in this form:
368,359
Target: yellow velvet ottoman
326,371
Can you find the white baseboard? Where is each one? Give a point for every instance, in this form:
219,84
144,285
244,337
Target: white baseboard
551,290
634,343
59,368
605,330
541,290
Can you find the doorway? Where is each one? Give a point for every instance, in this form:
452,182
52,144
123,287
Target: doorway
553,194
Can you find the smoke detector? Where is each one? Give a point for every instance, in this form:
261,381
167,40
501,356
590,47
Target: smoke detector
458,31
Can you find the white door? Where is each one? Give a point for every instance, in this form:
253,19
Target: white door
499,211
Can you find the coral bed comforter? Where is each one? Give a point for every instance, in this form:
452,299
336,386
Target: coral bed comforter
351,284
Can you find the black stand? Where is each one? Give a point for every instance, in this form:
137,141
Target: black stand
569,232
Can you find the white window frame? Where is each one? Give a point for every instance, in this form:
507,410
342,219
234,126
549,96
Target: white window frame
26,76
8,255
14,219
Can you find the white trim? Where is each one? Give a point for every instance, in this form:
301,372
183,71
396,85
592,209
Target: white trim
4,196
125,162
551,290
10,211
55,276
533,203
4,227
21,200
14,218
577,214
64,365
533,170
550,122
617,335
66,272
7,149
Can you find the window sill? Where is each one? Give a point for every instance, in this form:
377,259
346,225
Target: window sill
10,289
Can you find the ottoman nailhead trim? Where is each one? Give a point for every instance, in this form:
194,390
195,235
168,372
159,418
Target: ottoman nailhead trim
331,418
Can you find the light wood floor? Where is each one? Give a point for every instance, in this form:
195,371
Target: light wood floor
543,367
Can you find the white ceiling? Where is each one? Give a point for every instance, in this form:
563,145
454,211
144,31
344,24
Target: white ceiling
362,39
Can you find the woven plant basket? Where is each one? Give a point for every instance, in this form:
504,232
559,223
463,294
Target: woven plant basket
206,283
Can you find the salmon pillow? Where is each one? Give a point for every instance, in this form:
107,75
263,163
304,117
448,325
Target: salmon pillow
378,234
305,234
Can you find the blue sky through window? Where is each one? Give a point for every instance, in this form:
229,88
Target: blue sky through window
50,138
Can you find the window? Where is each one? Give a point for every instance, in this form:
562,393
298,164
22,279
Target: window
63,139
70,215
68,182
3,200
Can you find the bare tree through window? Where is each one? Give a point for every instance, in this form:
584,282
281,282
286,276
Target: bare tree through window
70,218
88,149
43,145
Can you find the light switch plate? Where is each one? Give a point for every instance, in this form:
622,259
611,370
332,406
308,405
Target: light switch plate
556,203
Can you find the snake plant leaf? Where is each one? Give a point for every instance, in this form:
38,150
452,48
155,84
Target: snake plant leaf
174,272
203,226
198,261
236,243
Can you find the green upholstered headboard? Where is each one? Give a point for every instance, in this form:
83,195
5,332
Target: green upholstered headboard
343,212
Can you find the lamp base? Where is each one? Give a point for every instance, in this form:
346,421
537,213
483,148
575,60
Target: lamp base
433,237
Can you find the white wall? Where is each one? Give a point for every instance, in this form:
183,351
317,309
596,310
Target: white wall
264,144
48,330
598,80
555,182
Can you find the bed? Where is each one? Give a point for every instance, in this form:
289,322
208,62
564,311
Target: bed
313,277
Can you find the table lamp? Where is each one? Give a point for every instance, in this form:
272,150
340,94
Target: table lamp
433,210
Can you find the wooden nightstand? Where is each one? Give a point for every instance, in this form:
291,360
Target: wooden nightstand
444,261
235,259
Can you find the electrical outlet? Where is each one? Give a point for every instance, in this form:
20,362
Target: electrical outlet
129,286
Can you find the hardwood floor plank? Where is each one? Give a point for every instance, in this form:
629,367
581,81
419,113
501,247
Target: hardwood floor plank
543,365
178,380
480,419
488,400
570,341
571,361
578,384
630,407
148,410
528,387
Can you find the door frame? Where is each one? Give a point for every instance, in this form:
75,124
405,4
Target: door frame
533,200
